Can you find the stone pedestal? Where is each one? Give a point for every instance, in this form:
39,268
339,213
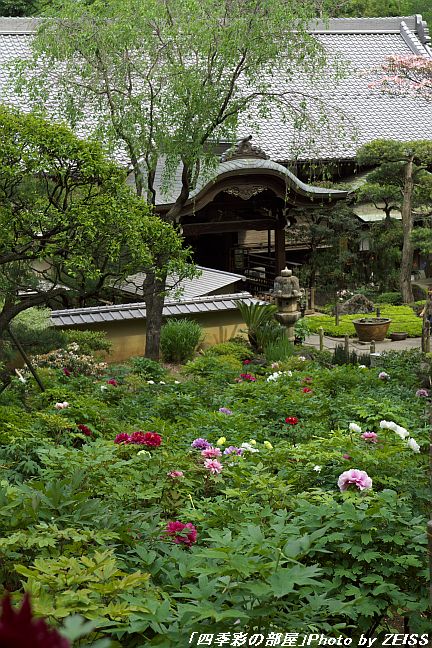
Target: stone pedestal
287,293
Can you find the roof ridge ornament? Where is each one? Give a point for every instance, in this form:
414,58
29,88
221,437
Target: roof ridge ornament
244,149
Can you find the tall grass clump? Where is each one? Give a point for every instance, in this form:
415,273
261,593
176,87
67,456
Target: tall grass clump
179,339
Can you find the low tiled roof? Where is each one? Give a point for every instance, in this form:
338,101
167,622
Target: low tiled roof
208,282
103,314
362,43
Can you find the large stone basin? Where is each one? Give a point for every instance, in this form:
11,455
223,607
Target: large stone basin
371,328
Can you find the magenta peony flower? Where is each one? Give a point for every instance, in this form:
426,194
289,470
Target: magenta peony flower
307,390
66,372
200,444
123,437
182,533
291,420
18,629
372,437
346,456
175,474
211,453
214,466
358,478
84,429
247,362
248,377
112,382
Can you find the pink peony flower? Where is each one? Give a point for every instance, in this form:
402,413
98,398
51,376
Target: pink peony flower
182,533
211,453
214,466
346,456
372,437
123,437
18,629
307,379
307,390
358,478
383,375
175,474
60,406
422,393
84,429
247,362
291,420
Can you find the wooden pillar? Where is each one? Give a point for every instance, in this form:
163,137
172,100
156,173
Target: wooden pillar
280,259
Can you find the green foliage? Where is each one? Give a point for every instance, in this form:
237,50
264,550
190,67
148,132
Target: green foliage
394,298
88,341
403,319
238,350
180,339
302,329
148,369
278,350
259,319
340,357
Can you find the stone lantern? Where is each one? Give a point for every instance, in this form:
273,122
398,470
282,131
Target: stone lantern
287,293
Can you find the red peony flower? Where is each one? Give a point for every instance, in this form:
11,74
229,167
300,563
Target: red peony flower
18,629
182,533
291,420
123,437
307,390
112,382
84,429
146,438
246,362
66,371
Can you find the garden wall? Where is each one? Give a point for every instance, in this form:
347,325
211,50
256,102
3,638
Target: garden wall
128,336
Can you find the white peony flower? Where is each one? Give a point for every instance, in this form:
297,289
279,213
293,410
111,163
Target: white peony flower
362,367
317,468
248,447
413,445
401,431
355,428
150,382
162,382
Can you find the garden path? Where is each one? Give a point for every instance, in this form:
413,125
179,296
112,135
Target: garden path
386,345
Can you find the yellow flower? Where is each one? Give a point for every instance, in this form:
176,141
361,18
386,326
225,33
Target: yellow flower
268,445
252,441
221,441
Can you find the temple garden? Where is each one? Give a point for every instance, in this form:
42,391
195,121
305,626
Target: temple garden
221,500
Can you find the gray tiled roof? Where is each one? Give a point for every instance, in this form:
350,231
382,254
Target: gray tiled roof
101,314
208,282
368,114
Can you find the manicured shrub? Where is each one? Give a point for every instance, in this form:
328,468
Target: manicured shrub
179,339
238,350
394,298
88,341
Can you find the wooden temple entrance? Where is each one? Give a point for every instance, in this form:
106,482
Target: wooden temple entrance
239,220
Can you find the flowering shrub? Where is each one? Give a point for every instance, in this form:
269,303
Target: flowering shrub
71,362
182,533
372,437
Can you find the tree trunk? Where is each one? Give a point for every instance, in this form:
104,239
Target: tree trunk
407,226
154,300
